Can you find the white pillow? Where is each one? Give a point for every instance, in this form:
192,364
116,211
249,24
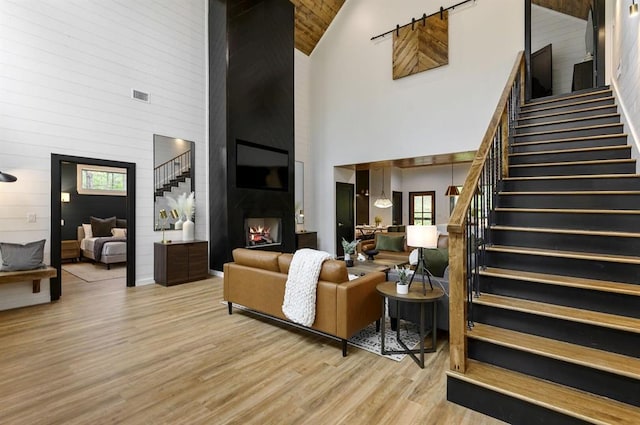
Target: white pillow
88,233
413,257
119,233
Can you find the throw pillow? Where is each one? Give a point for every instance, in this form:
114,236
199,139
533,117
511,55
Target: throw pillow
101,227
119,233
87,230
22,257
437,260
121,223
390,243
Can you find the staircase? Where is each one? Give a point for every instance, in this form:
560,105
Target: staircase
556,324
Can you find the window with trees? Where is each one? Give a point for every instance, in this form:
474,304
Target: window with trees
96,180
422,208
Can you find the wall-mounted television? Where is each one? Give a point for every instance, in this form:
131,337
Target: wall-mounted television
261,167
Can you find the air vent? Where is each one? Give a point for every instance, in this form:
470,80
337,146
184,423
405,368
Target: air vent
140,95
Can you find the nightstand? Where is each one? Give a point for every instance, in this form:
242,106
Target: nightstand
70,250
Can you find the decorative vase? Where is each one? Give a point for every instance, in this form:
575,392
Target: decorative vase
402,288
188,230
348,260
178,224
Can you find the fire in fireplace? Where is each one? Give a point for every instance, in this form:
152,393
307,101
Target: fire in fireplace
262,231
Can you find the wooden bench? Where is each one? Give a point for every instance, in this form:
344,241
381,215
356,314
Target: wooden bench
33,275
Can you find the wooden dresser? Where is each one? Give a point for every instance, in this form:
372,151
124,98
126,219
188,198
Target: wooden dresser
306,240
179,262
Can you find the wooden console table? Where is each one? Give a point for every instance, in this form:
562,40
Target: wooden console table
180,262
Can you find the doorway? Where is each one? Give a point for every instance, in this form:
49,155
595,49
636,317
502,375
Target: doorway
575,34
57,162
345,227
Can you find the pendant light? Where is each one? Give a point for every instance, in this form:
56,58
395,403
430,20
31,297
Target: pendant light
383,201
8,178
452,190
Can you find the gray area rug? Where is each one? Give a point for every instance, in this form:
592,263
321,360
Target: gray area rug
93,272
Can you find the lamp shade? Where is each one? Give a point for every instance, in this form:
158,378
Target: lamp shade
419,236
383,202
452,191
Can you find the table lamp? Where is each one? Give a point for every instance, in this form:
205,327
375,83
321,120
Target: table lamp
419,236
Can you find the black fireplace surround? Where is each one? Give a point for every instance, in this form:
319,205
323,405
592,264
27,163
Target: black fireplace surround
251,101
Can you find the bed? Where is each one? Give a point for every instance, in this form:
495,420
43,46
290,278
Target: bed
105,250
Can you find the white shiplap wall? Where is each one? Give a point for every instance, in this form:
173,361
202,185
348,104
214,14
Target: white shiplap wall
626,70
66,73
566,35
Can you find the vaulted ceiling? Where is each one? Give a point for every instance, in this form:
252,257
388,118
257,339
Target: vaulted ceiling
577,8
313,17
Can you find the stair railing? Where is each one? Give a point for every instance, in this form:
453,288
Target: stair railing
169,171
470,220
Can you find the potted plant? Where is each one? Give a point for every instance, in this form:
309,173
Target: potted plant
402,285
349,249
378,220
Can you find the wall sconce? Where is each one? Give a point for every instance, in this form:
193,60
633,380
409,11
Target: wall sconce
633,9
7,178
65,197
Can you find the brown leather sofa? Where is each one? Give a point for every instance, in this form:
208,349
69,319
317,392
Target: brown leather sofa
401,251
256,280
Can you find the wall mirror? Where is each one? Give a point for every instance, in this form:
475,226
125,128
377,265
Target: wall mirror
173,176
299,192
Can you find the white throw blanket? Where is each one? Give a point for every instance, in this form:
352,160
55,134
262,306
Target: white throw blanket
300,290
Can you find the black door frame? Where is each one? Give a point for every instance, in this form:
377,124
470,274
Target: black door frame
351,188
599,60
55,286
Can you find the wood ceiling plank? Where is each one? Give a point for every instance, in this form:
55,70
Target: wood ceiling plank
576,8
312,18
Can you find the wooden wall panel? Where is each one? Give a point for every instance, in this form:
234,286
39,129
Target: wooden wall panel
576,8
422,48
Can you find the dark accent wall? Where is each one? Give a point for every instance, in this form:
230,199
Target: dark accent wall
251,99
362,197
81,207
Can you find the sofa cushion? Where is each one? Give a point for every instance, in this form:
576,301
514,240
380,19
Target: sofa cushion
334,271
284,262
265,260
390,243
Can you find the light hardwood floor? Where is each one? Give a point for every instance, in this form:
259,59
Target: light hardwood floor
153,355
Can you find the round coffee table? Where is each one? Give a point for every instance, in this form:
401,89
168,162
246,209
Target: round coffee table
415,295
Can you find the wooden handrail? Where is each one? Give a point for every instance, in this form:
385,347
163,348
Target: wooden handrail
458,291
457,220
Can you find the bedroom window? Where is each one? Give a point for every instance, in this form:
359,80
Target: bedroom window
96,180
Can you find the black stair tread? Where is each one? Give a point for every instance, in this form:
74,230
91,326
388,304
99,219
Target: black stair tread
570,281
559,398
566,130
576,255
567,211
571,139
574,150
617,364
589,317
576,96
567,120
590,162
577,176
541,107
574,111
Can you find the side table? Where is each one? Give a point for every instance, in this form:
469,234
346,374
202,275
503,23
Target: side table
415,295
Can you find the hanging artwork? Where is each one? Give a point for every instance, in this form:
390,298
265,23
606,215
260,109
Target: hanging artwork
421,46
